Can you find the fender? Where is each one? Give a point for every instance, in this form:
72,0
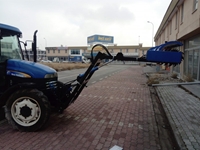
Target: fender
9,91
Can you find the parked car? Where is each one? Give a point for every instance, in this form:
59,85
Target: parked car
46,61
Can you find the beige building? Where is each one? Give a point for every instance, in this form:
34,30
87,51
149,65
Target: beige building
182,23
65,53
41,54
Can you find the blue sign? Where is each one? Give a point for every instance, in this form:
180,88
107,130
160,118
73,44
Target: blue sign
100,39
75,58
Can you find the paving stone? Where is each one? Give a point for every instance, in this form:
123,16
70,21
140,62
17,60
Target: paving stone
183,111
115,111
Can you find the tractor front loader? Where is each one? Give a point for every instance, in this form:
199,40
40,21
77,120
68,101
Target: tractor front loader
29,90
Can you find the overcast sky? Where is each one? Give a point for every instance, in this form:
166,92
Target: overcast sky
70,22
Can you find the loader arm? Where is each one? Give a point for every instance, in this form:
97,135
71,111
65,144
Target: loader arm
76,86
85,77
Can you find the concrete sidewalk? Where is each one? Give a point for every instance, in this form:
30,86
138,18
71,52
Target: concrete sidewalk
183,112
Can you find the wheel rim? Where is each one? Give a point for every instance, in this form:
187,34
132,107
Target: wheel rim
26,111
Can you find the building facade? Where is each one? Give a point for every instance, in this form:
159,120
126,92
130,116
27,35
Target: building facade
75,53
182,23
78,53
57,52
41,54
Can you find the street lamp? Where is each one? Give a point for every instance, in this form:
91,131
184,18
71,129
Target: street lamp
45,42
152,31
138,39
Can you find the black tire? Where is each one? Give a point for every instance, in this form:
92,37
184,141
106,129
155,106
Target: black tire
27,110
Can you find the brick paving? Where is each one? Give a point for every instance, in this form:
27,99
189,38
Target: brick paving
115,111
183,112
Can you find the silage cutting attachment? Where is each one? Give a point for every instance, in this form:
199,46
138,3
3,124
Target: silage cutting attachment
166,53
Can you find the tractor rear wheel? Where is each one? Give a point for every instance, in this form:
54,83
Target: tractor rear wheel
27,110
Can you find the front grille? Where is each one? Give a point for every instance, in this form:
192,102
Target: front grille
51,85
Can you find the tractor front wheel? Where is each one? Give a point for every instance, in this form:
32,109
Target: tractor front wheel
27,110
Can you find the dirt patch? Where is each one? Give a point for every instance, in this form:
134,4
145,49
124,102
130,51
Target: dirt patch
66,66
160,78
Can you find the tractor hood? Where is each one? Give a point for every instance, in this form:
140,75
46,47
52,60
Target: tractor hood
22,68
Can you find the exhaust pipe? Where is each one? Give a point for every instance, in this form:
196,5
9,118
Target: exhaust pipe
34,46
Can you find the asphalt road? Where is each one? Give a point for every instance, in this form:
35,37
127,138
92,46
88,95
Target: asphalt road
102,73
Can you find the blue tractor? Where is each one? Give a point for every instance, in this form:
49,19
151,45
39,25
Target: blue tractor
29,90
24,85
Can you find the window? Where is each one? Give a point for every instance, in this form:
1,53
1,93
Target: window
6,45
58,51
163,35
170,27
48,51
195,63
176,23
195,5
10,48
75,52
53,51
65,51
167,31
136,50
182,12
127,50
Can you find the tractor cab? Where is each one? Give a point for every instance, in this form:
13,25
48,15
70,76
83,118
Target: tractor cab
14,69
9,41
9,49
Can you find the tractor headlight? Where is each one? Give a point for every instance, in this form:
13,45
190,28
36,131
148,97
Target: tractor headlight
53,75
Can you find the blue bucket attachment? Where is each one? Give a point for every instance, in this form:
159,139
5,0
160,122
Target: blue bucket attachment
165,53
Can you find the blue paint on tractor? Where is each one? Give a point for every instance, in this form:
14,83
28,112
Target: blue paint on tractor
35,70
